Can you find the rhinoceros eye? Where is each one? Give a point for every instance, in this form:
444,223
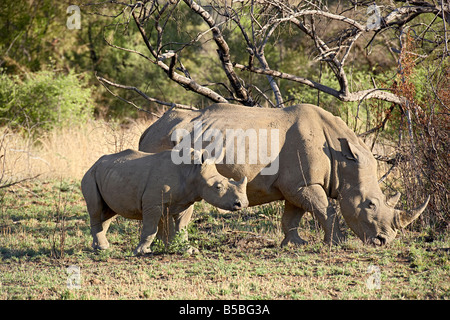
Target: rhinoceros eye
372,205
219,186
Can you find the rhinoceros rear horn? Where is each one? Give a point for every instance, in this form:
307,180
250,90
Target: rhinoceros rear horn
392,201
404,218
243,181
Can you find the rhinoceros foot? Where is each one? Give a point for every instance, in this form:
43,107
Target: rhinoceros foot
100,246
295,240
141,250
192,250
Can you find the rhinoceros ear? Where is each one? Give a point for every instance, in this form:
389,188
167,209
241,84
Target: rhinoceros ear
205,157
199,156
349,150
196,156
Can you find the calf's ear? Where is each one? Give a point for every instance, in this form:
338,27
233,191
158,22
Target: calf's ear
200,156
205,157
196,156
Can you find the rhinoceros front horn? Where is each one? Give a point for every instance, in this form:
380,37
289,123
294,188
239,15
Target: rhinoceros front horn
404,218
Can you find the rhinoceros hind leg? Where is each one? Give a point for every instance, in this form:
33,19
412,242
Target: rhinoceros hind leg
100,215
290,222
99,226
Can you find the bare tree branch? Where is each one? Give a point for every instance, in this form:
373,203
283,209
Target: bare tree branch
183,81
258,51
347,97
259,22
224,53
104,81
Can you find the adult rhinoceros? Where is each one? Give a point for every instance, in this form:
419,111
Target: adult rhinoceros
319,158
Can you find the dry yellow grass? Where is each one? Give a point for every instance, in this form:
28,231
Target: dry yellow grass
65,152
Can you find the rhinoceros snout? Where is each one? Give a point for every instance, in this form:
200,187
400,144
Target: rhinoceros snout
238,205
379,241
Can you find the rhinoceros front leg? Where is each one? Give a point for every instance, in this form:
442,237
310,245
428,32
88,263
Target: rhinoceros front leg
181,222
150,219
314,199
169,225
289,223
166,229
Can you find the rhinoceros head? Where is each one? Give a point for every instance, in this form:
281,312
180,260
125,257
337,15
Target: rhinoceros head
366,210
220,191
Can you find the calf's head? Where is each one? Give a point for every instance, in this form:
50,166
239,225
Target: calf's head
366,210
220,191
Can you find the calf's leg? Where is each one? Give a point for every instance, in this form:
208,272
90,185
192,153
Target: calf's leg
150,219
181,222
169,225
100,221
100,214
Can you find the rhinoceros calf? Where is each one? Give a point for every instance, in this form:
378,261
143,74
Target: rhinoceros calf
146,186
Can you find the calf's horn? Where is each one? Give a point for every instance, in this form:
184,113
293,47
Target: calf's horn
404,218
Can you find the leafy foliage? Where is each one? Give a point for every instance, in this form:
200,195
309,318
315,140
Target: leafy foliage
44,100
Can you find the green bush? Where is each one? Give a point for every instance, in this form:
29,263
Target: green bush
44,100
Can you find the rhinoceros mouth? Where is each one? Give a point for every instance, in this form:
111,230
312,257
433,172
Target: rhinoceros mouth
378,241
